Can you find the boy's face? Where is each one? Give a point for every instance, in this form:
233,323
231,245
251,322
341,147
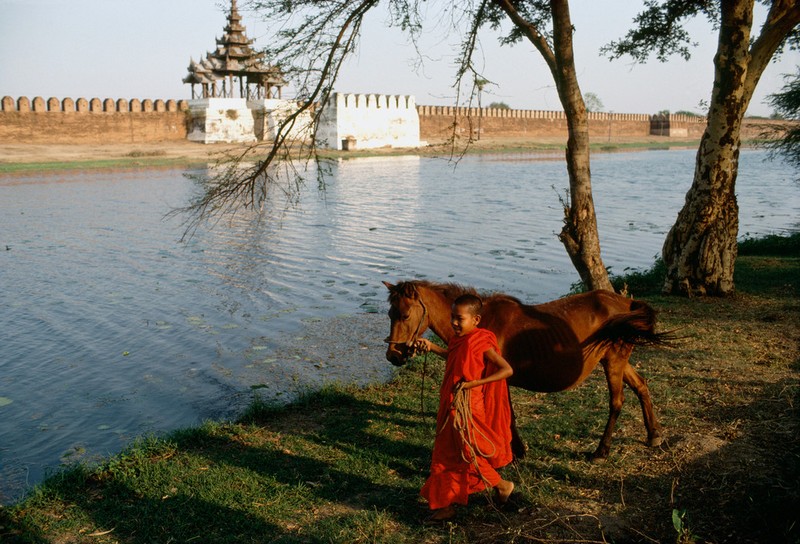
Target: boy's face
463,320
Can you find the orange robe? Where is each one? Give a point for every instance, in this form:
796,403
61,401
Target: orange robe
452,479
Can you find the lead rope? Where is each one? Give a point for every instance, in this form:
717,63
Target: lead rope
422,389
413,347
464,425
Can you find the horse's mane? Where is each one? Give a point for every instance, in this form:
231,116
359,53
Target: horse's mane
450,291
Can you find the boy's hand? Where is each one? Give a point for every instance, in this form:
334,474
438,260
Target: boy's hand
459,385
422,345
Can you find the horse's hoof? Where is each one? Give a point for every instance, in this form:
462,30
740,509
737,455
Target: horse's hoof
597,458
518,449
655,441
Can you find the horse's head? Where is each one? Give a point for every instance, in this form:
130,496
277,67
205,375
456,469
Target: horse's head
409,319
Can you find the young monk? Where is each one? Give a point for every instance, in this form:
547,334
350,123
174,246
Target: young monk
474,365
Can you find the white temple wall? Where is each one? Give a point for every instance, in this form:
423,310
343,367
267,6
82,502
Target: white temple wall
364,121
221,120
269,113
369,121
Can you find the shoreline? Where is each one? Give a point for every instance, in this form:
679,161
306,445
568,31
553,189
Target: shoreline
350,460
24,158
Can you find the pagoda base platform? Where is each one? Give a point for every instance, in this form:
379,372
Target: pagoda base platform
269,113
221,120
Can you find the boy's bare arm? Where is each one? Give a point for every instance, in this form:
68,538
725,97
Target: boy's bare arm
503,371
426,345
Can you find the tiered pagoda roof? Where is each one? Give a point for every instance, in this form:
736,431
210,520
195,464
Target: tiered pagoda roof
234,58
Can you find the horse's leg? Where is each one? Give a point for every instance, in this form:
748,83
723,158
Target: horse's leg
518,448
639,386
614,367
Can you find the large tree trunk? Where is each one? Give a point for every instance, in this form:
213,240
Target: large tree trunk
701,248
579,234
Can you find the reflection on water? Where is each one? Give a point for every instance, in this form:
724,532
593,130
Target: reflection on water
111,328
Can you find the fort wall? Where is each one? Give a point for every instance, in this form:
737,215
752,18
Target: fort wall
91,121
96,121
437,123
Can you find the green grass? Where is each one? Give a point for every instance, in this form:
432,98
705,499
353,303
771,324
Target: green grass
132,161
138,159
346,464
772,245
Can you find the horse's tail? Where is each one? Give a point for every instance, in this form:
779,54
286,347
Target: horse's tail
636,327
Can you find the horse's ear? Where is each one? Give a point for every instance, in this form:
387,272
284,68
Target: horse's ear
409,290
388,285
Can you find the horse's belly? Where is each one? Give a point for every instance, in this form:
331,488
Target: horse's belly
548,357
550,374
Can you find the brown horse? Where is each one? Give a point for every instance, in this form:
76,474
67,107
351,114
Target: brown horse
551,347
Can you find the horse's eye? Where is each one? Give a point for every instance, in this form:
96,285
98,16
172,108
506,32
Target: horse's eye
405,317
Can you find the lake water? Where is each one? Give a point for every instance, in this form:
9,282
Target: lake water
111,328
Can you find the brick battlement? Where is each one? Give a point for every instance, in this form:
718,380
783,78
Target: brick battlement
94,105
91,121
452,111
96,121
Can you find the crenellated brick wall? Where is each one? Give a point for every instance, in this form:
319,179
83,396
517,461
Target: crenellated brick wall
436,123
91,121
96,121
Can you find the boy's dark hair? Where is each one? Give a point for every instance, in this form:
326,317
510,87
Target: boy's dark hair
473,302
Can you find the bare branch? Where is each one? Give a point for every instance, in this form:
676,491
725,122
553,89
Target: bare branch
305,28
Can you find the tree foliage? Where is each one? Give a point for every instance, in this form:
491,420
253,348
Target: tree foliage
658,30
786,104
593,102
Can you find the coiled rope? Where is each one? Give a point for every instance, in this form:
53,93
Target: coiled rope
464,425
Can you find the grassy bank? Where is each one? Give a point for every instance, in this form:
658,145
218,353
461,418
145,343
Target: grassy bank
23,159
345,465
130,160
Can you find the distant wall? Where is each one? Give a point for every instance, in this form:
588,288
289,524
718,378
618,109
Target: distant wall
91,121
384,120
436,123
678,126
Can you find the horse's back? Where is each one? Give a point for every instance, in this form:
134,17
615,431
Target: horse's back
544,342
599,302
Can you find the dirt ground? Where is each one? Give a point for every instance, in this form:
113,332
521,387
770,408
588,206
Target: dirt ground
27,153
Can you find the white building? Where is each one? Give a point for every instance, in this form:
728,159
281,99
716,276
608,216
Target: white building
347,121
236,120
368,121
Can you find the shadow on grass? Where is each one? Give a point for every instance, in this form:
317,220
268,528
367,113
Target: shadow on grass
743,486
338,428
124,514
347,470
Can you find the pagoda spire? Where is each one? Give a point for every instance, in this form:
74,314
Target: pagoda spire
234,58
